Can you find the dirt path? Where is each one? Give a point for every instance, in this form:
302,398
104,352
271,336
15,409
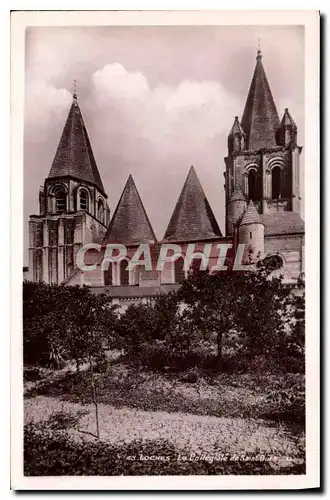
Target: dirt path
193,432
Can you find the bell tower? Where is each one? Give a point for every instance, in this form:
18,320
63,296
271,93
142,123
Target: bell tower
73,207
263,155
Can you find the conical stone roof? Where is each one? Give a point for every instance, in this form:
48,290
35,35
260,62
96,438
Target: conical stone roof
236,128
130,224
287,120
192,218
260,119
74,156
251,216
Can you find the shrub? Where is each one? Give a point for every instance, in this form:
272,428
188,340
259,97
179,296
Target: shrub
63,420
31,374
142,323
135,326
165,355
49,453
287,401
155,356
243,362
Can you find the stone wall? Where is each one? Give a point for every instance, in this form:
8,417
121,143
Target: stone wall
291,249
54,243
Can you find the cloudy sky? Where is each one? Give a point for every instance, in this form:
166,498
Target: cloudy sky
155,100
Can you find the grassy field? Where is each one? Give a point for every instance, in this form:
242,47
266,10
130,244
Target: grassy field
220,395
236,414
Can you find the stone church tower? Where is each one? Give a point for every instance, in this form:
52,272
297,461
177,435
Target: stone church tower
263,206
262,179
73,207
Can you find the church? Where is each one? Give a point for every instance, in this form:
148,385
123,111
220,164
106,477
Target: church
262,196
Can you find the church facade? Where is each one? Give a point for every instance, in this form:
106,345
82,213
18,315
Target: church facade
262,196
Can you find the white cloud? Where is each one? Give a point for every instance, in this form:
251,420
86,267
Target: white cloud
45,107
116,81
156,133
191,111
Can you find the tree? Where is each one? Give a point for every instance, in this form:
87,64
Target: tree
136,326
70,323
166,311
210,302
145,323
253,302
264,309
57,317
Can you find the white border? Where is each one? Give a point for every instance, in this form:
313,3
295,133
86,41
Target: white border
310,19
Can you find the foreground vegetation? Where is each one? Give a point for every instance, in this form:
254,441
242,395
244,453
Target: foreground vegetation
275,397
226,345
51,453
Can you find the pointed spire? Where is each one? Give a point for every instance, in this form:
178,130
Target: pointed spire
74,93
192,218
260,119
259,55
74,156
236,128
237,195
130,224
287,120
251,216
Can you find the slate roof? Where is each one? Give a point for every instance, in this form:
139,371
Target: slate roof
260,119
237,194
130,224
74,156
132,291
236,128
283,223
251,216
192,218
287,120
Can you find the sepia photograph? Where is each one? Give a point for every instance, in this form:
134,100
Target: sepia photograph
165,170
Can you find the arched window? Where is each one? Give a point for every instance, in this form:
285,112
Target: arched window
83,200
100,211
124,274
179,274
60,199
276,183
253,184
108,275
